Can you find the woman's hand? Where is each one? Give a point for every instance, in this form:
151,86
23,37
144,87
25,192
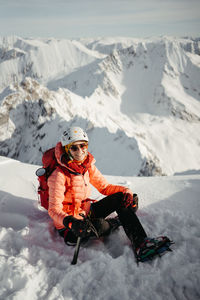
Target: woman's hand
135,202
78,227
131,200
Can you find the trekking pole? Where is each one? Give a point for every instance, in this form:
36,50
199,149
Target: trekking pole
76,251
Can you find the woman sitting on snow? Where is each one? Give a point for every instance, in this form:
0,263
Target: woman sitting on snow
70,203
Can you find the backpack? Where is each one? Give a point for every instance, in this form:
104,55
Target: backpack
49,165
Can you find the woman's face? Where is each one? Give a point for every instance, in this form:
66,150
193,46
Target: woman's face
78,150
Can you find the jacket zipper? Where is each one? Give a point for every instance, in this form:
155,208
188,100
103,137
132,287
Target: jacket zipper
84,180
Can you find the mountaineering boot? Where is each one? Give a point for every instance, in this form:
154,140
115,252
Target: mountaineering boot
114,223
151,247
105,226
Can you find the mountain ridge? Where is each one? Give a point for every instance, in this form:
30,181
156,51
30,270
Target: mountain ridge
139,100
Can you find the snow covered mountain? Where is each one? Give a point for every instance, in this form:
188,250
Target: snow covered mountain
138,99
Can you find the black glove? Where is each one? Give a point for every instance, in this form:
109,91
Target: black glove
135,202
127,199
78,227
131,200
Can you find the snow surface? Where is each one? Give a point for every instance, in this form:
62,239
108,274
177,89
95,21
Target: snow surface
35,263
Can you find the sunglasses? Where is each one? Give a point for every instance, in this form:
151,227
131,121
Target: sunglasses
75,148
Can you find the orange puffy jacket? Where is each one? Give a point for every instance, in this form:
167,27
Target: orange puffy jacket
69,190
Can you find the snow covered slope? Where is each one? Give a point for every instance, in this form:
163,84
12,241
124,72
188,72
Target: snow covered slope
139,100
35,263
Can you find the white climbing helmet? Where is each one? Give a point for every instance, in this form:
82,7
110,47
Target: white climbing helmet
73,134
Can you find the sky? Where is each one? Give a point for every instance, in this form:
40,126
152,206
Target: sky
99,18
